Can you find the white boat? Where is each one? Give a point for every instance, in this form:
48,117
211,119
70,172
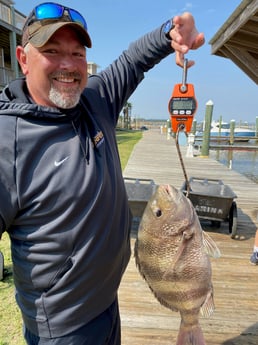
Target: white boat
218,129
244,132
223,129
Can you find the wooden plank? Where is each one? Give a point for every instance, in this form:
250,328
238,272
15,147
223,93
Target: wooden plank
235,320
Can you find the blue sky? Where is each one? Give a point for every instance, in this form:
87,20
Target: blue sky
113,24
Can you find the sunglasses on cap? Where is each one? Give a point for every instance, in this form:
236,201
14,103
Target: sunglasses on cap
51,10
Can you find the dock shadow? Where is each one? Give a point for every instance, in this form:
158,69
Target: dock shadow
248,337
135,226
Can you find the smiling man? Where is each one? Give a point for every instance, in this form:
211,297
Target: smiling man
63,199
62,75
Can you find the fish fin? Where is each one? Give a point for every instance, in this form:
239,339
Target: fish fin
208,306
210,246
170,271
190,335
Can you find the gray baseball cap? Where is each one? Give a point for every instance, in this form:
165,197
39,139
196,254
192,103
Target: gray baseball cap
38,31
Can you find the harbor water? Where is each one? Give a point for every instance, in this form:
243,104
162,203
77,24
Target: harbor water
244,161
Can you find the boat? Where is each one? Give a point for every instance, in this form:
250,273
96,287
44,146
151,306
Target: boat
220,129
223,130
244,132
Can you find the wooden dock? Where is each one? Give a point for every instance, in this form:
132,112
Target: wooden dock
235,320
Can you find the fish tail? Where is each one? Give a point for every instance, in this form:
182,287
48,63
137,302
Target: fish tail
190,335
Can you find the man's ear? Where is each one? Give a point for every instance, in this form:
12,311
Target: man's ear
22,59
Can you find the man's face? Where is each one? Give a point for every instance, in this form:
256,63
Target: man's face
56,73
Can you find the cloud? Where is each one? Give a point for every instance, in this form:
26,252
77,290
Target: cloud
188,7
211,10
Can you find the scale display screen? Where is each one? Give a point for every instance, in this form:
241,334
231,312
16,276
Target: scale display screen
182,105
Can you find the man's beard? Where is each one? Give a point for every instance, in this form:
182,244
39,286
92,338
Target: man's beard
65,100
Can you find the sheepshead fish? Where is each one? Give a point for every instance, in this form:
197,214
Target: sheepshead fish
172,254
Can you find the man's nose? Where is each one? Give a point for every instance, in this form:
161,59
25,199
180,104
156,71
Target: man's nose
67,61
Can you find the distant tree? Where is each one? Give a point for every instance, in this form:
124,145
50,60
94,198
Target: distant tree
127,109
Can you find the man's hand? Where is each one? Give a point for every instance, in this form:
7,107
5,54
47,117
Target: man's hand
184,37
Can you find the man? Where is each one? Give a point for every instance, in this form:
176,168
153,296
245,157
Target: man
63,200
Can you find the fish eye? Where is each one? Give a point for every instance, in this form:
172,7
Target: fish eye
155,209
158,213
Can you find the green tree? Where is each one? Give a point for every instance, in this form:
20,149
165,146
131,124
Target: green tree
127,109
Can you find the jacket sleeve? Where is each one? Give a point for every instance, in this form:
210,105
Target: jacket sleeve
8,190
120,79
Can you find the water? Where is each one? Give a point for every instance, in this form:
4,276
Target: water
244,162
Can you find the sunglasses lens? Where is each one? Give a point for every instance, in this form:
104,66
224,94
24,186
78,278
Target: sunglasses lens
48,11
78,18
51,10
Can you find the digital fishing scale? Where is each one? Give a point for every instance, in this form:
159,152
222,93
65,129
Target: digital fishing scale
182,104
182,107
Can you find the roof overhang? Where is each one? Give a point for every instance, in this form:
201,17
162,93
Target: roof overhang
237,39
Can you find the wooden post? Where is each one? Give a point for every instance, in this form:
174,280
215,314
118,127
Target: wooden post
220,123
232,129
207,129
194,125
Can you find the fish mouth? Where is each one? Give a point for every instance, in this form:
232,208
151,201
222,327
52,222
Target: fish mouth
172,192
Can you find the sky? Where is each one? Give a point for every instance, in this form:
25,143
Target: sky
114,24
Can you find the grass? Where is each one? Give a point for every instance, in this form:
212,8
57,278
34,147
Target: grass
10,318
126,141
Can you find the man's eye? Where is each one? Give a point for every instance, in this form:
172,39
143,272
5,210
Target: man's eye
79,54
50,51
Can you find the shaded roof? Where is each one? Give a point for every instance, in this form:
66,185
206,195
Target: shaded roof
237,39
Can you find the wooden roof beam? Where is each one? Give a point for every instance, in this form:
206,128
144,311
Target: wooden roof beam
243,60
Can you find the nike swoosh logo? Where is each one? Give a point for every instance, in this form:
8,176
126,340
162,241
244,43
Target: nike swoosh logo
58,163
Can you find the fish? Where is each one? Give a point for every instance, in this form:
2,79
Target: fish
172,254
